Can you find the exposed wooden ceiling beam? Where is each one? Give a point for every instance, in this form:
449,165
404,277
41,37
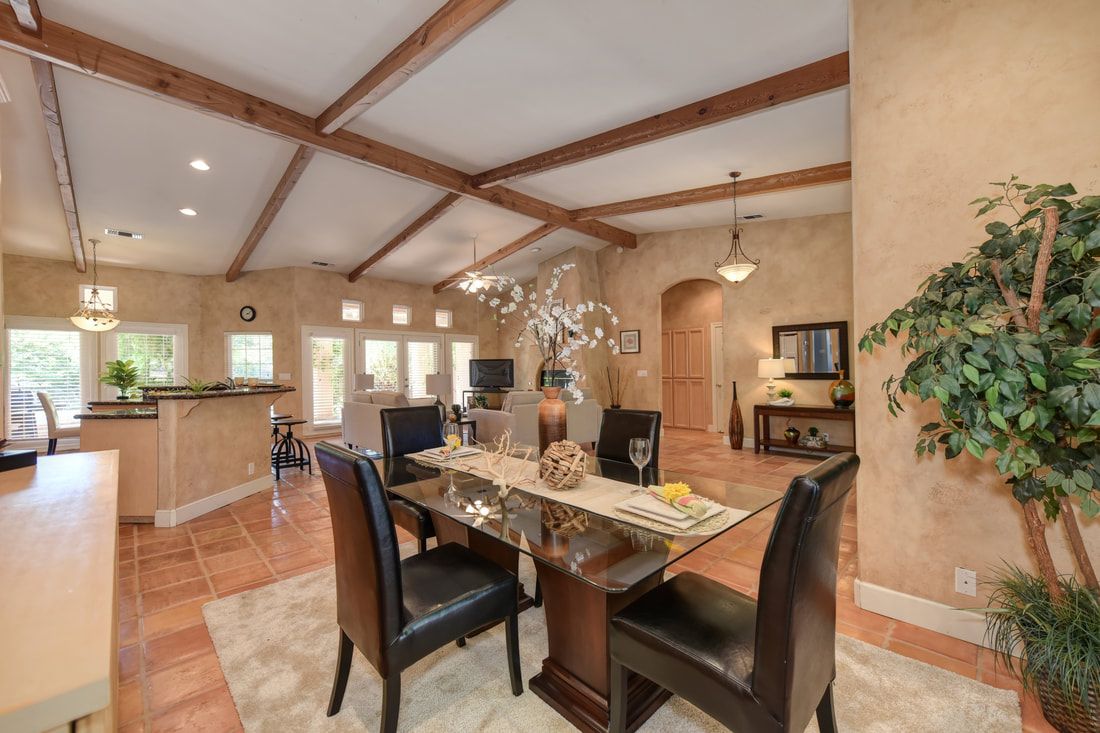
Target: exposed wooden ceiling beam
293,172
93,56
55,130
820,76
440,208
817,176
506,251
449,24
28,15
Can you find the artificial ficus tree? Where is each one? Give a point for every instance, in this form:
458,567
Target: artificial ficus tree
1006,342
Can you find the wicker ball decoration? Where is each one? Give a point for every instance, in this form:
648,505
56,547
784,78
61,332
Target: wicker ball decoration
563,519
563,465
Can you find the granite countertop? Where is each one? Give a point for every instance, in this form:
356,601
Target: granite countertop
119,403
140,413
241,392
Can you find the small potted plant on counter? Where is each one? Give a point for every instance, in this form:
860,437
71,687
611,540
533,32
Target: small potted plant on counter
122,375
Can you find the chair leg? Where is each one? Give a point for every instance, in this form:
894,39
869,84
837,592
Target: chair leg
51,446
617,724
460,641
538,594
511,632
391,702
826,714
343,667
422,544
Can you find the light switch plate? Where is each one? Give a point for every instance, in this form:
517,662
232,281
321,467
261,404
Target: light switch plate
643,372
284,376
966,581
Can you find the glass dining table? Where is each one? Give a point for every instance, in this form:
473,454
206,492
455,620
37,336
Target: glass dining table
589,566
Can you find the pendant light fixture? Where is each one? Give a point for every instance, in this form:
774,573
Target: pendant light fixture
93,314
476,280
742,267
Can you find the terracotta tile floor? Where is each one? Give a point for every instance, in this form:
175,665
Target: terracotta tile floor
169,678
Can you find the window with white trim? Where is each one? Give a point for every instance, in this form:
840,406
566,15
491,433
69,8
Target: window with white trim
351,310
158,350
326,374
443,318
250,355
402,315
107,294
461,349
46,355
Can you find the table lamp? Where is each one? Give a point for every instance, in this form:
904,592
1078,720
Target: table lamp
439,385
771,369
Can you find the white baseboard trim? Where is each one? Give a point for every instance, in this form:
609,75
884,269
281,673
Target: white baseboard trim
933,615
747,443
172,517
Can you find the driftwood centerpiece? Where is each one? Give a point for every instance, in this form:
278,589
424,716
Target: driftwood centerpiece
563,465
563,519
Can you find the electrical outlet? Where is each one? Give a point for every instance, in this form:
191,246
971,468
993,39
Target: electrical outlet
251,468
284,376
966,582
643,372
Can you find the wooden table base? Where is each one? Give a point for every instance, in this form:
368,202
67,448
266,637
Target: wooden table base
575,676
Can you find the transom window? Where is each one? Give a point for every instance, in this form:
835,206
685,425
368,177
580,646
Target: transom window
351,310
107,294
402,315
443,318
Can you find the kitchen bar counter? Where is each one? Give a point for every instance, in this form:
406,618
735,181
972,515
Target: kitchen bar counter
59,615
134,413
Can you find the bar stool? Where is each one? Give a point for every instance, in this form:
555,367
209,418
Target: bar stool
289,451
275,434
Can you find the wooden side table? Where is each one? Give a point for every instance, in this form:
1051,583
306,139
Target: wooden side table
762,429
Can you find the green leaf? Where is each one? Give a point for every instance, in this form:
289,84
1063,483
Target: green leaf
1028,352
977,327
975,448
1038,380
998,419
1087,363
1027,419
941,394
1078,250
971,373
1082,479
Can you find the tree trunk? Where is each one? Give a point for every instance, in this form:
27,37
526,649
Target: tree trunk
1078,544
1036,537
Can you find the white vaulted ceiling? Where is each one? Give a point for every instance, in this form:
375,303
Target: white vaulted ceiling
534,75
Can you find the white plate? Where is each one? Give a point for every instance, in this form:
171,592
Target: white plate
653,508
436,455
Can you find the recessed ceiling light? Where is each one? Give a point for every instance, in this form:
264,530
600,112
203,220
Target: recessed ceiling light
536,249
188,212
200,165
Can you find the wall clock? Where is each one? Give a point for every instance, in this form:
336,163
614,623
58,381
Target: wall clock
248,313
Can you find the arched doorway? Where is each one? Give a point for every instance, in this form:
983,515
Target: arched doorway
691,356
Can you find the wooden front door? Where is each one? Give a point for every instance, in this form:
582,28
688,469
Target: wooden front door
684,369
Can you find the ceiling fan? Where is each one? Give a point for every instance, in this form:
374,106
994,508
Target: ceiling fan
477,280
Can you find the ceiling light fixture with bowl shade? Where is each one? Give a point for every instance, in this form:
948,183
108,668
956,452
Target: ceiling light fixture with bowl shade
742,266
93,314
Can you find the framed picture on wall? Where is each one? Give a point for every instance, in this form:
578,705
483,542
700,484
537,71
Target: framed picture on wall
630,342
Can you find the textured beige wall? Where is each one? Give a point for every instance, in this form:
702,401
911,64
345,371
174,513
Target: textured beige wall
945,97
805,276
285,300
691,304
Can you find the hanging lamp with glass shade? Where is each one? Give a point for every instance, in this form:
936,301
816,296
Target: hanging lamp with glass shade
476,280
93,314
742,266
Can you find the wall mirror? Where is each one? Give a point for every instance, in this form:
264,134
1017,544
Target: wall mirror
812,350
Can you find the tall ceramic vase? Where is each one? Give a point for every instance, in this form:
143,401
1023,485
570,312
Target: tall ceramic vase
736,431
551,418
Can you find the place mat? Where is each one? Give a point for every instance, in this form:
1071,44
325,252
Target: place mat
595,494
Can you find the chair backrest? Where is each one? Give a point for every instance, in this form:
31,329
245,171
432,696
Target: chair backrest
51,413
410,429
796,610
619,426
368,565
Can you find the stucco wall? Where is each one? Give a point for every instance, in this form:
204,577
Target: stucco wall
805,276
285,299
947,96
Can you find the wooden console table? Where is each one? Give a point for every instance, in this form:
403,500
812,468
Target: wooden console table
762,428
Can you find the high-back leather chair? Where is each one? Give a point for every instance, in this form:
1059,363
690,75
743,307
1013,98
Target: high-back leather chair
395,611
53,432
763,665
409,430
619,426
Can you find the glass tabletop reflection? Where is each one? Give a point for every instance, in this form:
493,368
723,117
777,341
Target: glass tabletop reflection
605,552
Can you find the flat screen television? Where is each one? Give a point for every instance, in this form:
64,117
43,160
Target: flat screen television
492,373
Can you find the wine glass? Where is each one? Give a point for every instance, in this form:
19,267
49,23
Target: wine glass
451,428
639,455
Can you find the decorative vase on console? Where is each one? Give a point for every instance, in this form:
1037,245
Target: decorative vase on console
559,332
842,392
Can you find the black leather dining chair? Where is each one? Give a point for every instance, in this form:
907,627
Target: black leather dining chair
619,426
409,430
396,612
764,666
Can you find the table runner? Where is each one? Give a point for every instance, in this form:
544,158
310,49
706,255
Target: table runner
594,494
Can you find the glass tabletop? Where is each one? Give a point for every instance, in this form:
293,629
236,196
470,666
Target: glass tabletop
607,553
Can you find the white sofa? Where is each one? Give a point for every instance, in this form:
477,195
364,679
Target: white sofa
520,414
361,418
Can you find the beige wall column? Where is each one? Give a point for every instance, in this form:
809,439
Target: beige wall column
947,96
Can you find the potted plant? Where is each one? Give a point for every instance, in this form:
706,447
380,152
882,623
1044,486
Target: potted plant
558,330
1006,343
122,375
785,397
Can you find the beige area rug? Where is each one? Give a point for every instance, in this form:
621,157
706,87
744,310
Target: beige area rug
277,647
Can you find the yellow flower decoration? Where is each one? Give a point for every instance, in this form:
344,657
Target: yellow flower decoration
675,490
454,441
